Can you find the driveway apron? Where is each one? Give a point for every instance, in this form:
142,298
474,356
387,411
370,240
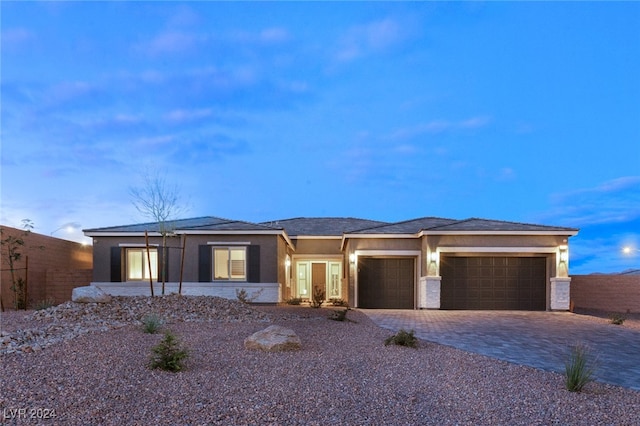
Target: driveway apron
537,339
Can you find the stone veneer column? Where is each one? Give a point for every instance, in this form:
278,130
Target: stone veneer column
429,292
560,293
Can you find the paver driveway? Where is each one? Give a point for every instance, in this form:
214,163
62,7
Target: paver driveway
537,339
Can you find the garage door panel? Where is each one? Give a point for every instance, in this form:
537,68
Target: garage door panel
386,283
493,282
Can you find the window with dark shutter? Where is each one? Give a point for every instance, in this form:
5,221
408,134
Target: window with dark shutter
253,273
116,264
204,263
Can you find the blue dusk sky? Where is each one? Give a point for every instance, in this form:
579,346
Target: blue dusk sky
516,111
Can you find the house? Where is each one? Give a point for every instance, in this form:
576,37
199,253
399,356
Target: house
430,262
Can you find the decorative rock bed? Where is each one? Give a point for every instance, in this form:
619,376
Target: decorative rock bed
72,319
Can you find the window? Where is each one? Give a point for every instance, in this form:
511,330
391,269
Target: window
230,263
138,264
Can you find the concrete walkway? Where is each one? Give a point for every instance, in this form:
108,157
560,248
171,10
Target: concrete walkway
537,339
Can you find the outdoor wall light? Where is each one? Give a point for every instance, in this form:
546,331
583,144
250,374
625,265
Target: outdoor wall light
352,258
433,256
287,262
564,253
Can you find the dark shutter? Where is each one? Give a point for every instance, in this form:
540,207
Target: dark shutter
116,264
161,265
253,273
204,263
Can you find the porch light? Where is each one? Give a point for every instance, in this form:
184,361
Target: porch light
433,256
352,258
564,253
287,262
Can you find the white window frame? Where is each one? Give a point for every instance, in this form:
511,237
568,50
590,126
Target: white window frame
145,263
230,276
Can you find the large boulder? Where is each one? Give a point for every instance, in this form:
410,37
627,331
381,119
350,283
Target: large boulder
89,294
273,339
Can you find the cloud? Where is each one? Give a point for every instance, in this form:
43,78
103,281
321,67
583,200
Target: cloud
438,126
374,37
14,39
616,200
170,42
180,116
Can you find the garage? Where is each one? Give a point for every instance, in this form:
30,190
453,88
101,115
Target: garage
386,283
493,283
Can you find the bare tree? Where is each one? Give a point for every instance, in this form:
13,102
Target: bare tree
160,201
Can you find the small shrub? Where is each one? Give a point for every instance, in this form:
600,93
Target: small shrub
579,368
294,301
339,302
402,338
151,323
168,354
44,304
19,294
340,315
244,297
318,297
616,318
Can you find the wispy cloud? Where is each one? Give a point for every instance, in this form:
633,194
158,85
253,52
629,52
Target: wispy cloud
438,126
16,38
373,37
613,201
180,116
170,42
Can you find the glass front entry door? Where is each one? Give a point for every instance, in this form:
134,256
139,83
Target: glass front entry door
324,274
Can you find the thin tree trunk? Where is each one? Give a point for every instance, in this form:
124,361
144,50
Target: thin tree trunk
26,282
146,240
164,260
184,244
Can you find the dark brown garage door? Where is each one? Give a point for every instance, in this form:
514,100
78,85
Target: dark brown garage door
516,283
385,283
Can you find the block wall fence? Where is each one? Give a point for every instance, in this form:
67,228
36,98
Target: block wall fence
56,266
606,292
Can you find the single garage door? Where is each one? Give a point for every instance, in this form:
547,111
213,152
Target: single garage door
386,283
516,283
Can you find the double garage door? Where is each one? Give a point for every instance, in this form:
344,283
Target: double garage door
498,283
483,283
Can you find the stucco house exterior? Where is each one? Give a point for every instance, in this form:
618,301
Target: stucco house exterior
424,263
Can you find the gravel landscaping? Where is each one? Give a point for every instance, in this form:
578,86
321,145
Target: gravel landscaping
88,364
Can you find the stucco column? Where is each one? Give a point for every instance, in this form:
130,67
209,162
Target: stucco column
560,293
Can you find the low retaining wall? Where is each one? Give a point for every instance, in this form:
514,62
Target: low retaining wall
256,292
609,293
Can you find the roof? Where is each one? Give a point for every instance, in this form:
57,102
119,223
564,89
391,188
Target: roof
319,226
479,225
206,223
412,226
339,226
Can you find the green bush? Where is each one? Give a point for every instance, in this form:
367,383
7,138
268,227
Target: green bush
243,296
318,297
340,315
44,304
294,301
168,354
616,318
402,338
151,323
579,368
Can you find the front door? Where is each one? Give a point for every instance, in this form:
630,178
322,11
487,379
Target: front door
318,277
316,273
